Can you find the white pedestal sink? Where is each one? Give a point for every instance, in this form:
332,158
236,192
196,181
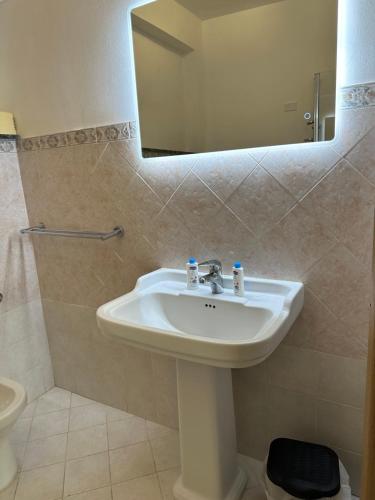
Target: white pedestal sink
209,335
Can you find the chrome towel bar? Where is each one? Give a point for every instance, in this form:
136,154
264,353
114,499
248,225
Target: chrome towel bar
41,229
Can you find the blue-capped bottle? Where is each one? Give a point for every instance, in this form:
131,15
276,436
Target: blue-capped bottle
192,273
238,279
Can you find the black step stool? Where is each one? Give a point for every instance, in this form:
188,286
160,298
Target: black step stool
304,470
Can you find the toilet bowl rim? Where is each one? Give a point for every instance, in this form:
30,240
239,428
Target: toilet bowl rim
9,414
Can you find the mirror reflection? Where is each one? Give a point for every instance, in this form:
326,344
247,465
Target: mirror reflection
216,75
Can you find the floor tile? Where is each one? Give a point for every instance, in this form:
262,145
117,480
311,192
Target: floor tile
143,462
54,400
78,400
8,493
86,416
20,431
166,451
144,488
167,480
19,450
45,483
45,451
87,442
254,494
49,424
113,414
85,474
128,431
156,430
99,494
131,462
30,409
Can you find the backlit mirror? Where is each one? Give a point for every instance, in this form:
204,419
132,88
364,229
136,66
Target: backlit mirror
216,75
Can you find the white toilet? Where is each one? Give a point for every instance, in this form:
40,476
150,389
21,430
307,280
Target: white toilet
12,403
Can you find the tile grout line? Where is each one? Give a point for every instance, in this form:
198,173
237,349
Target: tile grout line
66,446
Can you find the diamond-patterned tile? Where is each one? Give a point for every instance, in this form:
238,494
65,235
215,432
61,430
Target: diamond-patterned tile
194,203
299,169
260,201
344,204
223,173
165,175
343,285
362,157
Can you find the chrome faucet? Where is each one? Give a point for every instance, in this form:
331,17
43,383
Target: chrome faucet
214,276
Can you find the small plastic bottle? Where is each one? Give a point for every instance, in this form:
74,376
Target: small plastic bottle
238,279
192,272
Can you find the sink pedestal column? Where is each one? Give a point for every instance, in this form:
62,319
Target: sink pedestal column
209,463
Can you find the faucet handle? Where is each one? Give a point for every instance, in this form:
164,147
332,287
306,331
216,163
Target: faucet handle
215,265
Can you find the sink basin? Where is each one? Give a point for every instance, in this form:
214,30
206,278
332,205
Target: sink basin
208,334
161,315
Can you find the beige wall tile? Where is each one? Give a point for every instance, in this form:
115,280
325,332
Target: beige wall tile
343,285
294,369
340,426
319,329
297,169
343,203
194,203
224,172
290,414
362,156
342,380
166,175
260,201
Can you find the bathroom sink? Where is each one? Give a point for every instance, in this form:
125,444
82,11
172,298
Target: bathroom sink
224,330
208,334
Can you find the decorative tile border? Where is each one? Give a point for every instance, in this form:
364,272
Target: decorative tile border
8,145
107,133
358,96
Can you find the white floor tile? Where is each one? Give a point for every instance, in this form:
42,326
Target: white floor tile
128,431
131,462
45,483
54,400
80,401
86,416
87,442
167,480
99,494
47,451
8,493
144,488
21,430
49,424
85,474
166,451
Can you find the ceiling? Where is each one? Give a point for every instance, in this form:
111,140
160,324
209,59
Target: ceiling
206,9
